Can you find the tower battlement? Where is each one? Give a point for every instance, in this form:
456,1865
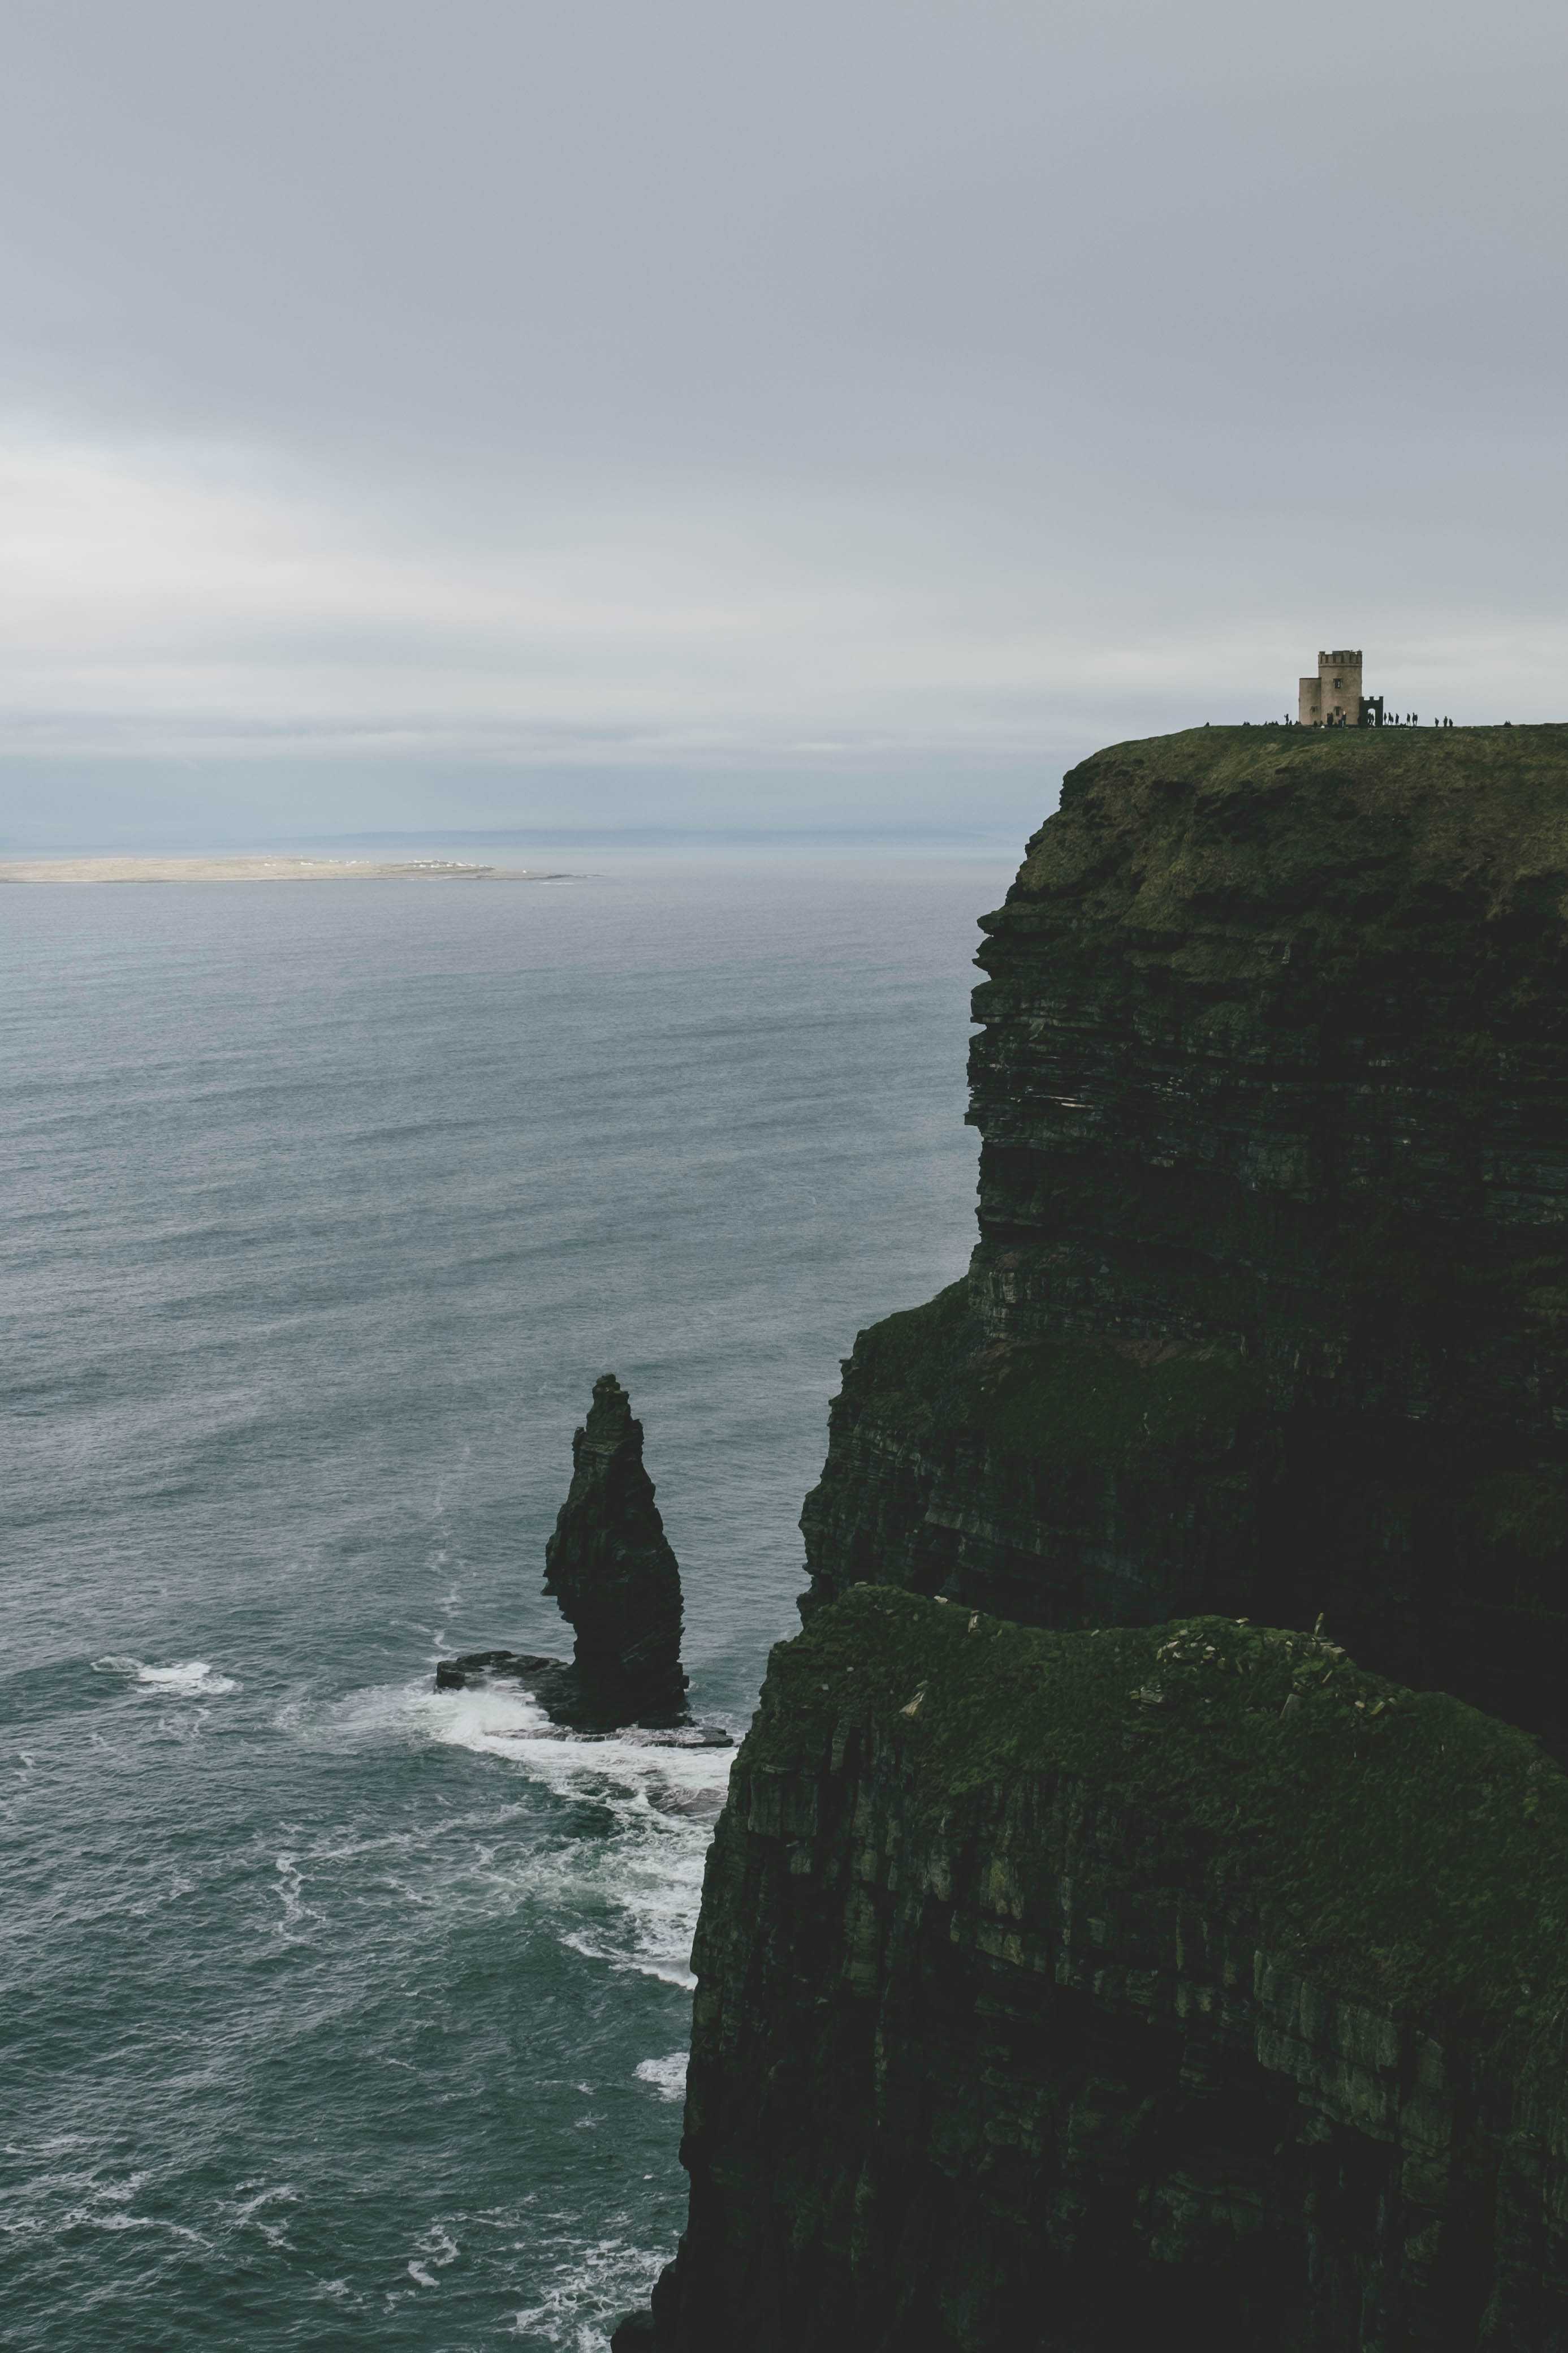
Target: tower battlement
1333,698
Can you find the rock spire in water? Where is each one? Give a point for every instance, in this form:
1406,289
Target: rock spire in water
610,1567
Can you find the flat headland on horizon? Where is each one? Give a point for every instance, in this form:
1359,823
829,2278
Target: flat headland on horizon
260,869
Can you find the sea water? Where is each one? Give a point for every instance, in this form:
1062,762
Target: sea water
337,2010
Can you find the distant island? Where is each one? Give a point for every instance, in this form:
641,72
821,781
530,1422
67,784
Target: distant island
260,869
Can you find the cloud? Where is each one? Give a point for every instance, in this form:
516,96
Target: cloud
885,393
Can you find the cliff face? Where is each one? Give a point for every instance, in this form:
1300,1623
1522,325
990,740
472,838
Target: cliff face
1063,1993
1269,1312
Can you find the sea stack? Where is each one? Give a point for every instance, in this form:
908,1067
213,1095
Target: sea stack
610,1567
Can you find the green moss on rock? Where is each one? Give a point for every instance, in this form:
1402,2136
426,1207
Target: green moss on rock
1405,1847
1064,1402
1393,828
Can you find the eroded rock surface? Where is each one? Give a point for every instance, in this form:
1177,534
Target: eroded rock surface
1066,1993
610,1566
1269,1312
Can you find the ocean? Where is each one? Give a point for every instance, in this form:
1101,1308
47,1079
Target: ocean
336,2012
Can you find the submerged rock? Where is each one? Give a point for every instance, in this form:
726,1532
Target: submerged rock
610,1566
478,1666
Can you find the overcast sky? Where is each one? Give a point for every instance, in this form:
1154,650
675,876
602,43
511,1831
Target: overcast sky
698,412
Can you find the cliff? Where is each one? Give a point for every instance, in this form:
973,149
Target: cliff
1179,1980
1064,1993
1270,1310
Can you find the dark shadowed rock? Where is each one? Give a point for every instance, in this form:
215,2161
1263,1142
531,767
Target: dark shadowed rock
1096,1992
1269,1312
1096,1983
475,1666
610,1567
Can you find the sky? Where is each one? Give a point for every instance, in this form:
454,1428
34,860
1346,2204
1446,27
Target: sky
598,414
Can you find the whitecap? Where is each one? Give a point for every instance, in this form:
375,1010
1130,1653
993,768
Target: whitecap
262,2195
628,1901
186,1679
190,1678
668,2076
291,1890
671,1972
439,2246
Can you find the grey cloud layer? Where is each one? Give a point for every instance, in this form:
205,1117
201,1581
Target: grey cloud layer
879,389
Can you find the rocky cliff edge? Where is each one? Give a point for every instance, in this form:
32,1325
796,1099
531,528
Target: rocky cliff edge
1081,1991
1270,1310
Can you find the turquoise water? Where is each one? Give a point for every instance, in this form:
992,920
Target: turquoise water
336,2011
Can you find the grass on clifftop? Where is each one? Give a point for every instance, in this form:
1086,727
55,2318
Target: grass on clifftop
1358,841
1401,1847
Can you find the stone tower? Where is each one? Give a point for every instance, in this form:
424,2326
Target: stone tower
1332,698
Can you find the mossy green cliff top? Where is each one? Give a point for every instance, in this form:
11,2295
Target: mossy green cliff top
1401,1847
1392,826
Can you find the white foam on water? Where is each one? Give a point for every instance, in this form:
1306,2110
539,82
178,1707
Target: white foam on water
439,2246
629,1901
291,1892
250,2212
648,1878
90,2202
672,1972
587,2293
270,2194
187,1679
668,2076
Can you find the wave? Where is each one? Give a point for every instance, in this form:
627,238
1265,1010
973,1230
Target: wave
586,2291
629,1900
645,1884
668,2076
187,1679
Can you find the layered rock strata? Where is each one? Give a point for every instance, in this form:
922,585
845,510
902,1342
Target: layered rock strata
1061,1993
610,1567
1269,1311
